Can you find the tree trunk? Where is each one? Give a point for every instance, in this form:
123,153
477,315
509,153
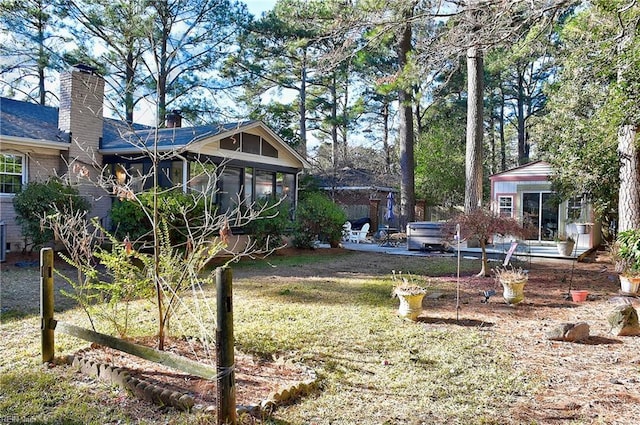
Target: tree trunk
484,272
473,183
628,150
629,195
302,149
405,116
385,137
129,84
503,143
523,152
334,123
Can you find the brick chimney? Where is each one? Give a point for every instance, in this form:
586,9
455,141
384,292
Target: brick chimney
174,119
81,113
81,116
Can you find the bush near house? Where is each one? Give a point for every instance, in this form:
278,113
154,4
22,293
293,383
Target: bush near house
270,228
40,199
318,218
132,218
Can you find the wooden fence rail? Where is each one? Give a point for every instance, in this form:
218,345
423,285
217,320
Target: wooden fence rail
223,373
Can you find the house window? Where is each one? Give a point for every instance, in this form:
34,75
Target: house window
574,209
202,177
505,205
12,168
230,143
229,189
284,186
264,184
248,185
251,143
268,150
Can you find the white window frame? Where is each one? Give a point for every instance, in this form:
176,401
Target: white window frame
24,176
502,209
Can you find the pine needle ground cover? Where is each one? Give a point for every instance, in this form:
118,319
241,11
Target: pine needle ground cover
334,313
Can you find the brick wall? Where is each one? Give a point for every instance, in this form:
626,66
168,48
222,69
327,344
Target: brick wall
81,115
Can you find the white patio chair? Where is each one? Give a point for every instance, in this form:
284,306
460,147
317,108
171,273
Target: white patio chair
346,231
358,236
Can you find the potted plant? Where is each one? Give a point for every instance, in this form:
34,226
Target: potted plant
513,281
626,255
565,245
410,295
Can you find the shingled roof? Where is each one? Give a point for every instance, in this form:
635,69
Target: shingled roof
30,121
169,139
33,121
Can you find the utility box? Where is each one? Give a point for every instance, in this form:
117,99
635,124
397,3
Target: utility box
425,235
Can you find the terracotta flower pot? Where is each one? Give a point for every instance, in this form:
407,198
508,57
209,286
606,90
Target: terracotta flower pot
579,296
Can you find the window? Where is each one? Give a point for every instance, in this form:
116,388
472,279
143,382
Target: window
251,143
202,177
229,186
12,168
574,209
284,186
268,150
264,184
505,205
248,185
230,143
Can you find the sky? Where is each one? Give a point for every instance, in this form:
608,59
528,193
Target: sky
256,7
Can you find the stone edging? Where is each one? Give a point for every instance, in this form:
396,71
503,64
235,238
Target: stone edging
145,390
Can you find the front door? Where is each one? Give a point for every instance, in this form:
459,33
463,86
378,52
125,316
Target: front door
541,213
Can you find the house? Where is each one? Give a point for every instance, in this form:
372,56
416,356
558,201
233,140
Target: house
525,193
37,142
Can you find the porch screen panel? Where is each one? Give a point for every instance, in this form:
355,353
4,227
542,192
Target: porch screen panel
229,188
264,184
285,186
248,186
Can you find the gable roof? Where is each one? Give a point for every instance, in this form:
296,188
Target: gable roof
30,122
357,179
535,168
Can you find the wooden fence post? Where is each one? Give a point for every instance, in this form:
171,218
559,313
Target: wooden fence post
224,348
46,304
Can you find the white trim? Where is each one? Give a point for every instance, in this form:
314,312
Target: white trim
36,143
24,175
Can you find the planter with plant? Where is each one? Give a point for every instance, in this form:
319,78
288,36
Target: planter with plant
565,245
626,256
513,281
410,295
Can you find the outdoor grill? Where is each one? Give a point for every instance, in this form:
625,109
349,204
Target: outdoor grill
425,235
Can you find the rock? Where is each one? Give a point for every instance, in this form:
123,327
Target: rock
624,320
570,332
580,332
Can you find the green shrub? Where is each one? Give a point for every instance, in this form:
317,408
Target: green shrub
178,209
128,219
270,228
41,199
318,217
